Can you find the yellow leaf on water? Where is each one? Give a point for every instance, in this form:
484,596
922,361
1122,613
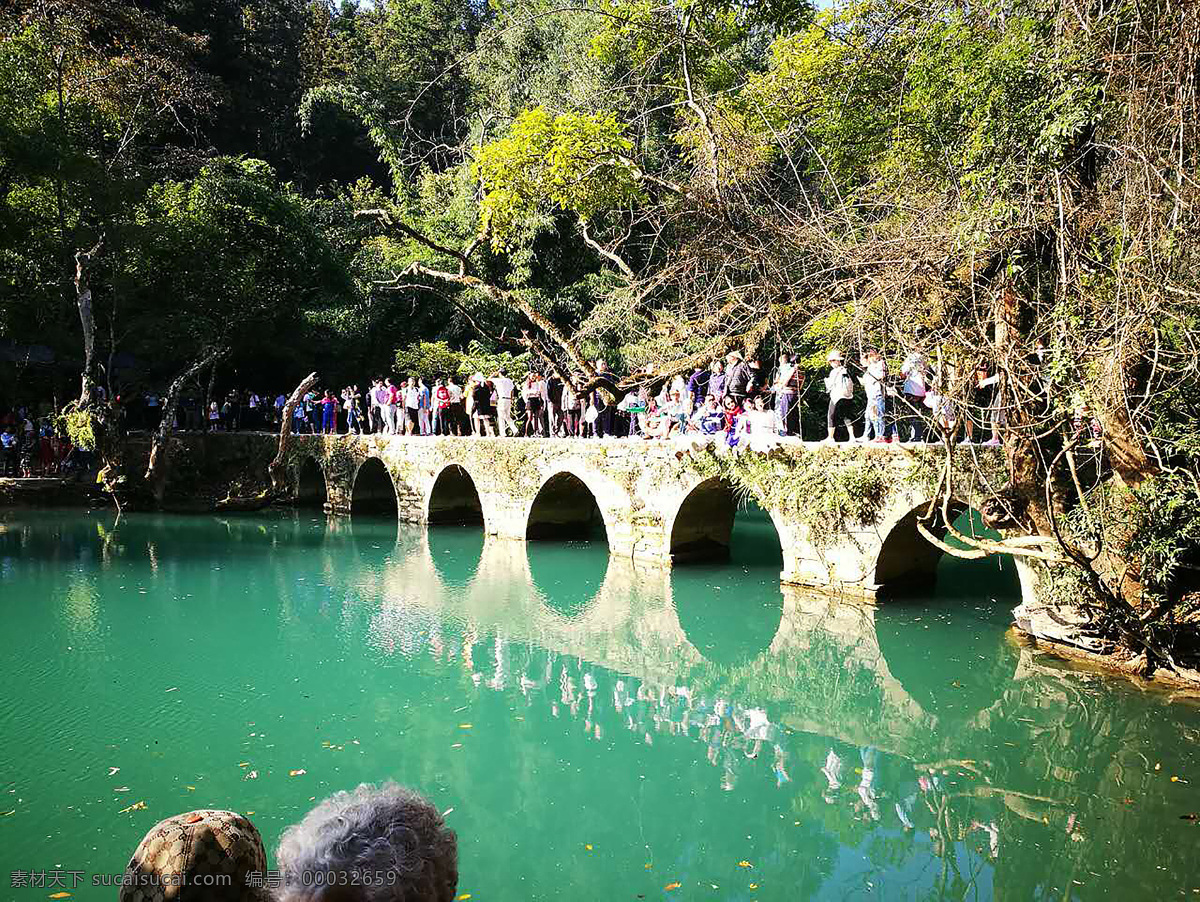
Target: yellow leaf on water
588,846
136,806
248,813
462,896
244,764
745,864
671,886
59,895
296,773
191,789
648,865
464,726
753,886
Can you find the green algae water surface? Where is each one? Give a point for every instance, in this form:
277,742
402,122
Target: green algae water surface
594,730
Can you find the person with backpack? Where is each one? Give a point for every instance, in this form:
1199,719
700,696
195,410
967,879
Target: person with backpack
840,387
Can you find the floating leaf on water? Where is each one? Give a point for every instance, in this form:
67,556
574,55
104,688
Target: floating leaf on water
588,846
1179,780
671,886
173,689
244,764
253,775
457,745
648,865
447,811
248,813
464,726
8,813
113,770
462,896
297,773
745,864
121,789
59,895
753,886
136,806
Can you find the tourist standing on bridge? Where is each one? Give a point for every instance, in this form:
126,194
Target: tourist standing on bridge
874,378
441,408
535,396
504,387
697,387
604,424
424,406
412,407
482,411
716,381
570,411
458,415
327,406
373,424
738,378
840,388
554,391
912,395
789,381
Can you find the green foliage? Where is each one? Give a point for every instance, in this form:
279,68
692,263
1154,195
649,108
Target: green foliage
830,496
571,162
434,359
1164,529
80,428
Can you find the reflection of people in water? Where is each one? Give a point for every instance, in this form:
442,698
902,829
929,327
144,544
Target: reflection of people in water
833,774
866,787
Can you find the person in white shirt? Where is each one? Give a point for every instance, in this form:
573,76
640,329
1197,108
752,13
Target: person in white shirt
914,370
504,398
873,378
457,410
840,387
412,408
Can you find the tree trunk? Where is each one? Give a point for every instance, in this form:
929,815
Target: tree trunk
278,467
83,300
156,470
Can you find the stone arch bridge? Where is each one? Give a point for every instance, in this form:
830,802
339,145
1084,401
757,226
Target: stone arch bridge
661,502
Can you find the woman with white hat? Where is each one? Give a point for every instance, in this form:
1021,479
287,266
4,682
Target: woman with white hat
840,387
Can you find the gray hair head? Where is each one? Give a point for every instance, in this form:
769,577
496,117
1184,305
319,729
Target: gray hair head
385,844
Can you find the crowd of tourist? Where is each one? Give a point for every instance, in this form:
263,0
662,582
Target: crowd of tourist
734,401
30,446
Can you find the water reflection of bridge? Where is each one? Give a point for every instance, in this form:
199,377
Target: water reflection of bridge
816,664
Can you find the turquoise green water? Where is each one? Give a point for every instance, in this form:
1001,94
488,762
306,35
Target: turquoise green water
594,730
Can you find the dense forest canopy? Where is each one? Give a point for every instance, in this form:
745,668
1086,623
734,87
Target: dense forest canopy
312,185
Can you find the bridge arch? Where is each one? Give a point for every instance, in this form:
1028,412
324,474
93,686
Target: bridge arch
702,528
373,491
906,559
566,507
312,489
703,523
454,499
